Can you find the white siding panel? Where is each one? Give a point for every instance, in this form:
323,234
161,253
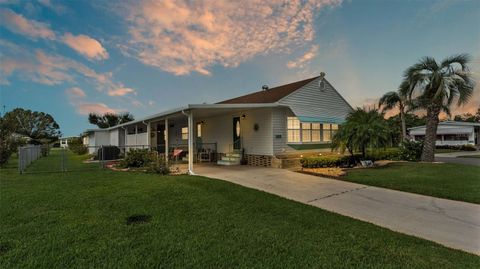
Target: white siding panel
310,101
102,138
114,137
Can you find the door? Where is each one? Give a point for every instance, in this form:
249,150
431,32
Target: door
160,138
236,133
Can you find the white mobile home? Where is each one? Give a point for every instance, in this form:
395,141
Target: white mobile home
451,133
260,125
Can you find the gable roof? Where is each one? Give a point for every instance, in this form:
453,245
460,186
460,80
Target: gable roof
269,96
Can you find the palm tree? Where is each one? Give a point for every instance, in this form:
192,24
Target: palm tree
434,87
391,100
361,130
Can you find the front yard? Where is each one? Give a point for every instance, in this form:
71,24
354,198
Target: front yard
79,219
450,181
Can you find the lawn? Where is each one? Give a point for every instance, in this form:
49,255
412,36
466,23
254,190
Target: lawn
451,181
79,220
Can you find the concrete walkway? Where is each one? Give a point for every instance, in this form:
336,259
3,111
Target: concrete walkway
450,223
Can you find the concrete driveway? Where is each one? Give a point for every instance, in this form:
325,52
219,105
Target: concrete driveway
450,223
452,157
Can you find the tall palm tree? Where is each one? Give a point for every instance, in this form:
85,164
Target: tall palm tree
434,87
361,130
391,100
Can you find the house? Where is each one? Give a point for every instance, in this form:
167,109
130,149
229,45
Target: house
257,126
64,141
451,133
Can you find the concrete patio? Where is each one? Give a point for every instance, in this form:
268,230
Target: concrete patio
450,223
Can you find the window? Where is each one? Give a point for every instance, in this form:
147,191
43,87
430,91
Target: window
306,132
185,133
456,137
131,130
293,127
327,132
199,130
141,129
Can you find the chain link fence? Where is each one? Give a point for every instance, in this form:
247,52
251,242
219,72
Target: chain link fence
29,154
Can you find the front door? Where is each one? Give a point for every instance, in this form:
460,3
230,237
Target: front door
236,133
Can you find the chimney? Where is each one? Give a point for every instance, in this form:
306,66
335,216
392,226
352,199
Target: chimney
264,88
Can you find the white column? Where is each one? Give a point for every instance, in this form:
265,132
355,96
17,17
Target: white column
149,129
166,140
136,136
190,143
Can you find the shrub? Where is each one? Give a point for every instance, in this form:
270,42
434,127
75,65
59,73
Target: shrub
139,158
156,168
411,150
76,146
386,154
459,147
468,148
326,161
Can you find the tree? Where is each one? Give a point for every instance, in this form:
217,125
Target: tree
361,130
109,119
391,100
468,117
434,87
8,141
394,124
40,127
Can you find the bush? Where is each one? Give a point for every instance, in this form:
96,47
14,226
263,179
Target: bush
411,150
386,154
156,168
461,147
326,161
76,146
139,158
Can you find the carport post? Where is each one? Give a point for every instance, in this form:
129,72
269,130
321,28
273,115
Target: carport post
166,141
190,143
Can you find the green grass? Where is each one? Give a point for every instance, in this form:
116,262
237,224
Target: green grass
451,181
469,156
78,220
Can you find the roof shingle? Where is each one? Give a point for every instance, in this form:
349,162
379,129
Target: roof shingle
269,96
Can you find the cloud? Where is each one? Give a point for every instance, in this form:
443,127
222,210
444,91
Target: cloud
98,108
75,92
83,44
186,36
120,91
56,7
304,59
19,24
86,46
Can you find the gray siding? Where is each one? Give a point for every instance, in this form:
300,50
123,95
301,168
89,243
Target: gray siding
310,101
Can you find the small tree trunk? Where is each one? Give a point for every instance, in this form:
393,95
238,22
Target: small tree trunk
404,128
428,153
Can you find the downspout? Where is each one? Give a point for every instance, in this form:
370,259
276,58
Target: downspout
190,141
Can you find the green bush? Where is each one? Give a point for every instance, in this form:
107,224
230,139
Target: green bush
156,168
468,148
325,161
139,158
76,146
461,147
411,150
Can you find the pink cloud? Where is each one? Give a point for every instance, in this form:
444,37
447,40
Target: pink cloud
86,46
185,36
19,24
304,59
76,92
120,91
99,108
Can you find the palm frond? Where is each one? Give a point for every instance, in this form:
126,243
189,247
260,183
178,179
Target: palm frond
460,59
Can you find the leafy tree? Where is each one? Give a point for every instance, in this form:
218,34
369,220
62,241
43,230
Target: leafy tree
40,127
394,126
391,100
361,130
8,141
468,117
434,87
109,119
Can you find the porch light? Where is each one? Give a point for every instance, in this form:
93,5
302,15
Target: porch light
243,116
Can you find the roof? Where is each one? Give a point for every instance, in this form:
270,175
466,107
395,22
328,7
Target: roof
450,123
187,108
269,96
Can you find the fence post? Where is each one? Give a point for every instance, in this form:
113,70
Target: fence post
19,160
103,156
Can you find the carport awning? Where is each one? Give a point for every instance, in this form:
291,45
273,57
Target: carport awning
442,131
321,119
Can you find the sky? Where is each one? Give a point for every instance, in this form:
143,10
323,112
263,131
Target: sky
70,58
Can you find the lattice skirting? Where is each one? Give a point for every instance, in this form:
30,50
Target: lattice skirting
259,160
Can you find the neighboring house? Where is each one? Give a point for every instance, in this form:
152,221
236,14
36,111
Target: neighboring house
64,141
451,133
260,125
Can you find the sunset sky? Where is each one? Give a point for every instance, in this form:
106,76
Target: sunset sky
69,58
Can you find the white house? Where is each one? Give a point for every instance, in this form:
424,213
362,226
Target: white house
64,141
451,133
260,125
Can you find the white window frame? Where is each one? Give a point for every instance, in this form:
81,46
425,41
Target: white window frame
184,132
